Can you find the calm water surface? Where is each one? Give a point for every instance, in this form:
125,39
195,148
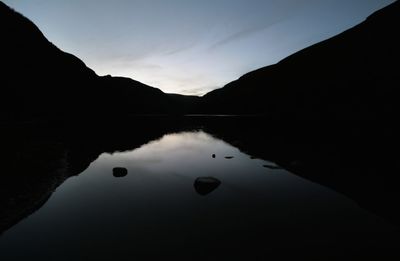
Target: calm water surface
156,209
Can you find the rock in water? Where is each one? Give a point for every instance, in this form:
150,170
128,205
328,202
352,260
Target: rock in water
213,156
229,157
120,172
206,185
270,166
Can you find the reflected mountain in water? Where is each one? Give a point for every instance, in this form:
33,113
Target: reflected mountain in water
262,211
41,159
349,159
35,160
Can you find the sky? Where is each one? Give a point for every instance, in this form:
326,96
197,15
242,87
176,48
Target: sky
189,46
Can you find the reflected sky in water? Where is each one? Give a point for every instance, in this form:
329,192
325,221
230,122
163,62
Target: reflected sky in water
155,208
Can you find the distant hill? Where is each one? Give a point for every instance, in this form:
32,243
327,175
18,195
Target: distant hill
351,76
39,80
354,75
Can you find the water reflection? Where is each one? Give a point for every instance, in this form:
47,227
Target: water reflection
155,210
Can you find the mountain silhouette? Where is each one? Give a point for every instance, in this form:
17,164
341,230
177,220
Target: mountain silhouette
350,76
353,75
41,81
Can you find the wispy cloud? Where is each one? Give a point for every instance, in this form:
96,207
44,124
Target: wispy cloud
236,36
245,33
179,49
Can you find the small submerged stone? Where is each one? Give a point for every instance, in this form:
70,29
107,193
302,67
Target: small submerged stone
206,185
229,157
270,166
120,172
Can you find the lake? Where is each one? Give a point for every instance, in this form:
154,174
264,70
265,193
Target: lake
192,195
